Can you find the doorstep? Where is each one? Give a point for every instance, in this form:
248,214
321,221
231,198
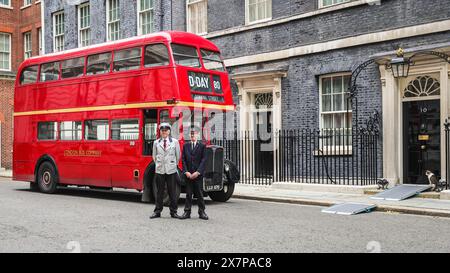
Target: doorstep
444,195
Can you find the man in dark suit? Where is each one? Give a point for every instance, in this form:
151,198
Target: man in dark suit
194,158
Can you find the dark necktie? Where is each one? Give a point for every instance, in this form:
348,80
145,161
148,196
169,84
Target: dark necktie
165,144
193,145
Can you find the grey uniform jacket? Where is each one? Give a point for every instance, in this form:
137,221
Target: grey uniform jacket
166,161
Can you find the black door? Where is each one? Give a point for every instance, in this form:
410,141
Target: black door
263,144
421,140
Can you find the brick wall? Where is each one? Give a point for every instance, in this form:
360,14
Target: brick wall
16,22
6,121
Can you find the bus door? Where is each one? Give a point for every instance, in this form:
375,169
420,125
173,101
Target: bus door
124,153
150,130
95,153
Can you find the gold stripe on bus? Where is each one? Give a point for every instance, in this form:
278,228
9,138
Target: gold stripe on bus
124,106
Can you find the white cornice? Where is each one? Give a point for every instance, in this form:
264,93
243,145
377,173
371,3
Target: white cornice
358,40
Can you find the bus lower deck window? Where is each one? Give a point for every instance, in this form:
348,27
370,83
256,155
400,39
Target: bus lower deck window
96,130
125,129
29,74
156,55
70,130
47,130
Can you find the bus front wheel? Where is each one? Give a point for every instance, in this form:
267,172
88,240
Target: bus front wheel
47,178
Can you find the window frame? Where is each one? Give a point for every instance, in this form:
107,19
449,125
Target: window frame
26,44
139,12
200,62
108,22
188,26
169,55
55,36
40,72
88,28
322,6
86,63
9,6
39,38
247,14
126,48
138,133
9,52
344,111
56,131
69,140
84,67
26,3
96,140
37,75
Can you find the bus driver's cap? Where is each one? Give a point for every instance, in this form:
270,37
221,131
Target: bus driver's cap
165,126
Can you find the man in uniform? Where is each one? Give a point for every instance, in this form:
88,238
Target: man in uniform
166,154
194,158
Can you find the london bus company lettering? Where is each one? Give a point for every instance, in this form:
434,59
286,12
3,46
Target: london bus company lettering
92,153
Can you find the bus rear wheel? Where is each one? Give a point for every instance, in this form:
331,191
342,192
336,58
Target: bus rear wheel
47,179
166,199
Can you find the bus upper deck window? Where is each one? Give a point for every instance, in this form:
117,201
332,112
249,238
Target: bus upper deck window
29,74
212,60
72,68
127,59
156,55
98,64
49,71
185,55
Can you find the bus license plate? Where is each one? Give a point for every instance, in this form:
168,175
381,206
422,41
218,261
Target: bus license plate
210,185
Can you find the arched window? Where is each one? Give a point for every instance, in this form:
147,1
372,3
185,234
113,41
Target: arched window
422,86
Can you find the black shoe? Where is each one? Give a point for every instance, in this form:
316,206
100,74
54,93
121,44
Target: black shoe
155,215
202,215
186,215
174,215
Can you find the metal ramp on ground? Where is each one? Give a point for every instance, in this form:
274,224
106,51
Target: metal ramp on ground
401,192
349,208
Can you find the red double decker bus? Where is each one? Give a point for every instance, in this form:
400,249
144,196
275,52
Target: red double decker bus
88,117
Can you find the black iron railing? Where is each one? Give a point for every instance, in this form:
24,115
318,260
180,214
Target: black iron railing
447,152
342,156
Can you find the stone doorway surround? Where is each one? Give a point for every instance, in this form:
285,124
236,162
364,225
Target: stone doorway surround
392,103
251,83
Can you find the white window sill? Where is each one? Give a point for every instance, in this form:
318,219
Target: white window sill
24,7
258,21
332,5
38,2
5,7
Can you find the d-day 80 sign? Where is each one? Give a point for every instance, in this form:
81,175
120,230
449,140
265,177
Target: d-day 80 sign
201,82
